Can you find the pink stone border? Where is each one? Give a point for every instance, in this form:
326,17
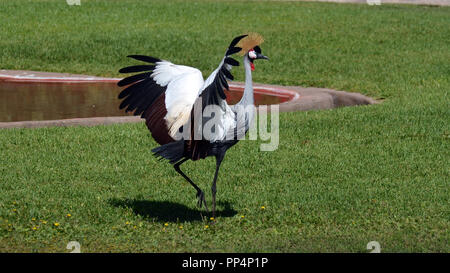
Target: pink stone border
301,99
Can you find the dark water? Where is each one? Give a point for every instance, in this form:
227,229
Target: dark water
50,101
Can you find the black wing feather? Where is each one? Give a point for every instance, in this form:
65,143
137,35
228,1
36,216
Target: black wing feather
139,96
233,50
137,68
133,101
224,82
237,39
231,61
133,79
154,92
142,96
219,89
131,89
143,58
227,73
210,95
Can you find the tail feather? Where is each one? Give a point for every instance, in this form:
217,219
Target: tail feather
173,151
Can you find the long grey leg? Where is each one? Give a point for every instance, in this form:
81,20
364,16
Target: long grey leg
219,159
200,193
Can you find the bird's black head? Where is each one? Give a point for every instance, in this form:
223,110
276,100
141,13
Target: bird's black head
255,54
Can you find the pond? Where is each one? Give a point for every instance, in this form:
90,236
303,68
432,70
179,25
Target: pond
24,101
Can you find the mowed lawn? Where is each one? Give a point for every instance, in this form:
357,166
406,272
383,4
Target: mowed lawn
338,180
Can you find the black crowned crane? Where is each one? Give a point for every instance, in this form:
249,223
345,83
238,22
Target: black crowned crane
165,94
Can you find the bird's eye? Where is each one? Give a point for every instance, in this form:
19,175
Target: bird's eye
252,54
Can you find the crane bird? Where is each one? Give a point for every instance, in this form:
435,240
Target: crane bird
165,94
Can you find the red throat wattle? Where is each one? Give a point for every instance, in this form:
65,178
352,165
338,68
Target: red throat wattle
252,65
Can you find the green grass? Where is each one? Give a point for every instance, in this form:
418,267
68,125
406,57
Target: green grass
339,179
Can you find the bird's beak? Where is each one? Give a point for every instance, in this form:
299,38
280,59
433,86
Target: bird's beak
260,56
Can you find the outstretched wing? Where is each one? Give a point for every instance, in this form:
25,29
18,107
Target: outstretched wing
144,90
213,89
212,93
163,94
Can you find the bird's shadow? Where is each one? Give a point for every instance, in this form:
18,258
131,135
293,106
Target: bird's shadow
164,211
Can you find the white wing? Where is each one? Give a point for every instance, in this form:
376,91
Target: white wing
163,87
183,85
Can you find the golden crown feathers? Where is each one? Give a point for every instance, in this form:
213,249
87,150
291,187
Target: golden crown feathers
249,42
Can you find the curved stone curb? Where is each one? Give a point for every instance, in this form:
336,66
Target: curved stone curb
311,98
70,122
301,99
38,76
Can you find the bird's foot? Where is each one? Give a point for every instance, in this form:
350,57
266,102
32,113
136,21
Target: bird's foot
201,200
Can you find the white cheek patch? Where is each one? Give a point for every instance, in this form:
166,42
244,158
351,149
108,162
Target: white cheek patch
252,54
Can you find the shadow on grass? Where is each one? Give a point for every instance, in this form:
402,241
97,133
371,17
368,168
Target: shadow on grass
164,211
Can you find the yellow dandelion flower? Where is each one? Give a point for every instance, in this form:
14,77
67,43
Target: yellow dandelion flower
34,228
166,224
134,227
44,222
69,215
212,218
206,226
56,224
127,223
242,216
33,219
181,227
262,207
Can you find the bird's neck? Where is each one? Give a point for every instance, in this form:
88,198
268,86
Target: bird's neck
247,98
245,108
